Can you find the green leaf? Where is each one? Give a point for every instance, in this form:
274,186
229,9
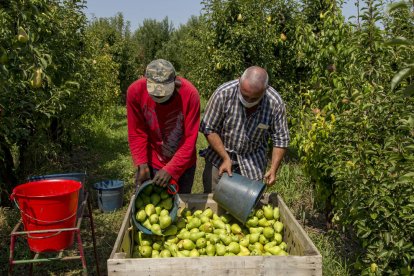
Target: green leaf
399,41
400,76
409,90
397,5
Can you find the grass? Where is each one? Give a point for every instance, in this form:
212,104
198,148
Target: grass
105,155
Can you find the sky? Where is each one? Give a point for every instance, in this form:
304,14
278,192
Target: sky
178,11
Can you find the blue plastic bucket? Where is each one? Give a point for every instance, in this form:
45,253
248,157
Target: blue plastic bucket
238,195
110,194
137,224
80,177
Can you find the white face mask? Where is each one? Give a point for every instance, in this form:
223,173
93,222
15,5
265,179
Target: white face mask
161,100
246,103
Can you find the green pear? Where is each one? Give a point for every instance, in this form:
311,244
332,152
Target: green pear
269,245
202,251
226,218
278,226
141,216
173,248
201,243
263,222
218,224
164,212
243,251
147,190
139,203
136,254
276,213
197,213
275,250
244,241
171,239
206,227
188,245
155,254
194,230
252,222
149,209
213,238
268,212
170,230
204,219
186,212
153,219
236,229
254,230
278,238
255,252
145,251
259,213
183,253
220,249
157,245
155,198
156,229
195,236
225,239
167,203
211,250
263,240
219,231
194,253
158,210
165,221
208,213
229,254
147,224
254,237
184,235
165,253
193,223
235,238
146,199
164,194
268,232
234,248
283,246
216,217
181,223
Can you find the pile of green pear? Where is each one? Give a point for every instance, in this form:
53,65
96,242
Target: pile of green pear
153,205
204,233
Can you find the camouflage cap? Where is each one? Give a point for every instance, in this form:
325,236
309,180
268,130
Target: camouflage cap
160,76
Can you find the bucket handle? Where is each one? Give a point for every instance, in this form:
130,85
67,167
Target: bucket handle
173,188
39,220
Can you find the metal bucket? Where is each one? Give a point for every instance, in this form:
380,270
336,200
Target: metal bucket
110,195
238,195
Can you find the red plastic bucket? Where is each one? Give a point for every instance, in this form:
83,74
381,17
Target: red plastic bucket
45,205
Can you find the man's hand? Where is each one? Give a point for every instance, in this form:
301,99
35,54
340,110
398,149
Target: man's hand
270,178
162,178
225,167
142,174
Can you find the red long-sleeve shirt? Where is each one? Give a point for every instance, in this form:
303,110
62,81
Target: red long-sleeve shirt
163,135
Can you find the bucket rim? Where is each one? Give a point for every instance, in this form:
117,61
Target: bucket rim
115,184
16,189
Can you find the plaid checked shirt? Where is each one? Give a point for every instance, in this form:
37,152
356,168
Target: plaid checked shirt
242,136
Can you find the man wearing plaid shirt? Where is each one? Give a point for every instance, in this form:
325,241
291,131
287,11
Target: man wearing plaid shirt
239,118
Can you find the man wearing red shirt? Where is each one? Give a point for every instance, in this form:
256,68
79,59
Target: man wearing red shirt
163,114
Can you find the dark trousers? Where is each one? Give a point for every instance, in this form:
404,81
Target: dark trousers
185,182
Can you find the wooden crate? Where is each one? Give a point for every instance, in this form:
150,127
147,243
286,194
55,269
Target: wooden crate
304,258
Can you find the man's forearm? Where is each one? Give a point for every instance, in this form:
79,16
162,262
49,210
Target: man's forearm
217,144
277,157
